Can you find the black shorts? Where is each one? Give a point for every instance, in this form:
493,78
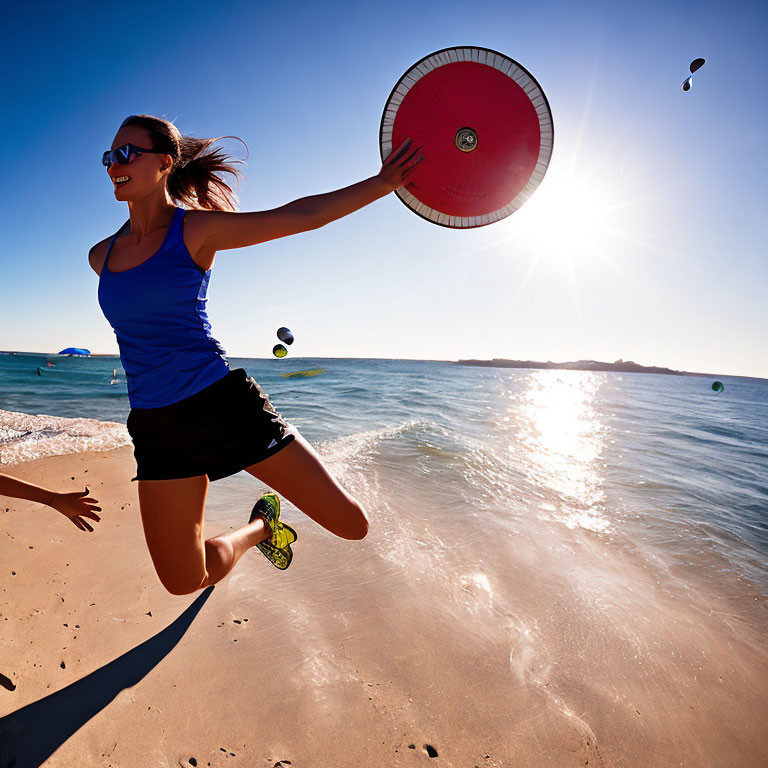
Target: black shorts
218,431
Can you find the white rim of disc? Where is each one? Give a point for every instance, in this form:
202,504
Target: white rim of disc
514,71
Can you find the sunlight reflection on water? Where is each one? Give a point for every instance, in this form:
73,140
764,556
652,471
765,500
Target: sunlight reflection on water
560,441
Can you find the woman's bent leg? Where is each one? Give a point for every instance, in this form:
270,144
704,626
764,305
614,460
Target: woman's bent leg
172,516
297,473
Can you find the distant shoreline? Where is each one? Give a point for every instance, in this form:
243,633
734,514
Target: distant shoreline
14,353
620,366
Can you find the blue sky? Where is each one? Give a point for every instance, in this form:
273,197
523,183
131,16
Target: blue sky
643,242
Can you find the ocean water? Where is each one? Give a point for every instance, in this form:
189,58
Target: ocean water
660,466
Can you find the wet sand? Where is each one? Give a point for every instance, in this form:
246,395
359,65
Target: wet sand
376,653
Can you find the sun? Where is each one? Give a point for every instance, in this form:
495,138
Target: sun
567,218
576,223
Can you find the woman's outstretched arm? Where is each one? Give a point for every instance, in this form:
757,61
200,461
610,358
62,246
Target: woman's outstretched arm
75,506
223,230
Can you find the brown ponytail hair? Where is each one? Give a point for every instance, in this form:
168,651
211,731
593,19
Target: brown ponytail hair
195,179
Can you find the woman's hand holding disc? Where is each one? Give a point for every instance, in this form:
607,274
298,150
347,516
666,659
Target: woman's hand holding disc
398,166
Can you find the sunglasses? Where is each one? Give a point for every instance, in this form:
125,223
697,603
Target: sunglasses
124,154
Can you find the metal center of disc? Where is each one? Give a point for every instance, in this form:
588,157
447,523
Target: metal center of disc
466,139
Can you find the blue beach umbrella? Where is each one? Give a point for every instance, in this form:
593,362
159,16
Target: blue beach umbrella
75,351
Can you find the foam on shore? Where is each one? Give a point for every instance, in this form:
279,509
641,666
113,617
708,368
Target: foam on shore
24,437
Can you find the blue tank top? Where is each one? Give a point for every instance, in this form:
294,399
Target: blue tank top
157,310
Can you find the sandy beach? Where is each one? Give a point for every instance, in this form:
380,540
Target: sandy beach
348,658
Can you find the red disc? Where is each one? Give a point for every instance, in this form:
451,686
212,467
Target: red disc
486,131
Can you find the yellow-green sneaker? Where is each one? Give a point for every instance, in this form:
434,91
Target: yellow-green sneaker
277,549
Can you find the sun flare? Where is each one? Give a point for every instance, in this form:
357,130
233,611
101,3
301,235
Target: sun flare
567,218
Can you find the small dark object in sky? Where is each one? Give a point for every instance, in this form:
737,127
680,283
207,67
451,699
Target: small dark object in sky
697,64
693,66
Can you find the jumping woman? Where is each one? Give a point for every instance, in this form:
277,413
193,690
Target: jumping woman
192,419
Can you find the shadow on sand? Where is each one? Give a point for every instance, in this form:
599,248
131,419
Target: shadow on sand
30,735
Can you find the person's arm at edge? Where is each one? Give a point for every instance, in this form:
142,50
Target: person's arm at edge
18,489
71,505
